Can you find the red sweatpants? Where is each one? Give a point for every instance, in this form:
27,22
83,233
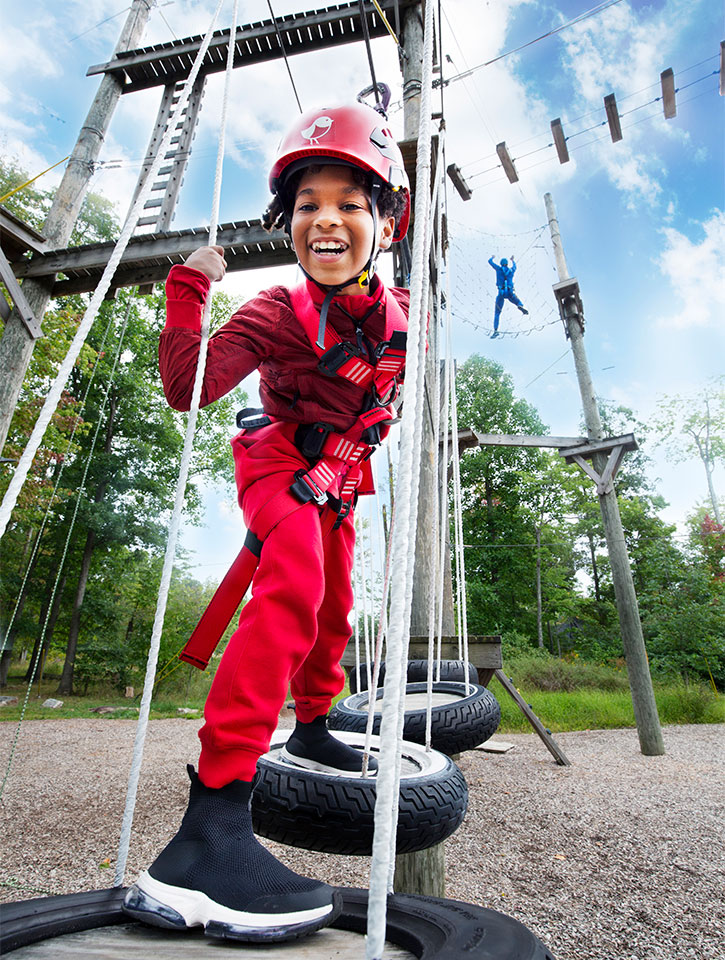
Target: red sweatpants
292,631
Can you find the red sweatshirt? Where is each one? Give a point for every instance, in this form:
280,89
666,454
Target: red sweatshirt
264,334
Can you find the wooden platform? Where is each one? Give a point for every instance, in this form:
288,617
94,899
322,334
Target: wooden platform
255,43
135,942
484,652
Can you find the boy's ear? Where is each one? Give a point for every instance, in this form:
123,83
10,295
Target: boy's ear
387,229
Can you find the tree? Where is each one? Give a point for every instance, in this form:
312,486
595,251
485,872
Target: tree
694,426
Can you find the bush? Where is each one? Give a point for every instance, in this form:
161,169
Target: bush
538,670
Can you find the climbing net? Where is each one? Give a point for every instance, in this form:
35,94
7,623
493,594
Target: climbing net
473,304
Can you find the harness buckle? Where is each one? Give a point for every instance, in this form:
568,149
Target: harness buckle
305,489
250,419
311,439
332,359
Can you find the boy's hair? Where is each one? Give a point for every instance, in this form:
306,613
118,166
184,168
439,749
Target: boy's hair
391,203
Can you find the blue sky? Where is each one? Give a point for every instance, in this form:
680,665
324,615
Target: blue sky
642,220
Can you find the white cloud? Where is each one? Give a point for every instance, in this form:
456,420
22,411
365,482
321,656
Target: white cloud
696,271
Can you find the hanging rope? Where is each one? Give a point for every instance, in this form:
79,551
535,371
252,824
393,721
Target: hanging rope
284,54
366,35
145,706
66,546
388,778
54,394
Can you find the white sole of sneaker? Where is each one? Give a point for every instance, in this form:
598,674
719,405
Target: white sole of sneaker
164,905
321,767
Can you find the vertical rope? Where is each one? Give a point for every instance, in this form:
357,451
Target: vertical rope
66,546
388,779
56,389
175,523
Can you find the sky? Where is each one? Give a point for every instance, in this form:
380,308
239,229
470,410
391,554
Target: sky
642,220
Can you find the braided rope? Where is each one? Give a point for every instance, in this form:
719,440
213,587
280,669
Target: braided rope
175,523
56,389
388,779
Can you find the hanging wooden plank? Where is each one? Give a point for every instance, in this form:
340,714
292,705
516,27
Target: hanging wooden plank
669,104
560,141
722,68
506,162
615,128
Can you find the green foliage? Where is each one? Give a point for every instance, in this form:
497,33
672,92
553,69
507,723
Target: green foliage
538,670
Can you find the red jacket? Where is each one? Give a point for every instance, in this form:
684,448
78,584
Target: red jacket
264,334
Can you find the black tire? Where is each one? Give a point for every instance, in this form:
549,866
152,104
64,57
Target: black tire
429,928
335,814
417,673
463,723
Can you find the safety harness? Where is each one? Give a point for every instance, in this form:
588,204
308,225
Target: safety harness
341,466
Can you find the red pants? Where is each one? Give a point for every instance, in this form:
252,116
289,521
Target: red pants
294,629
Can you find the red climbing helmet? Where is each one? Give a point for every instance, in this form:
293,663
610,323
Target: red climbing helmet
354,134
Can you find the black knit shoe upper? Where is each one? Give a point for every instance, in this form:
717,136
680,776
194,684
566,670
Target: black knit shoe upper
312,744
216,853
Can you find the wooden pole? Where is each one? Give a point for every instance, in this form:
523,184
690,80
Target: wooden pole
640,681
16,346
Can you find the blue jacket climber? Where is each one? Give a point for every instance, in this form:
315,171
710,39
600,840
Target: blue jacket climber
505,284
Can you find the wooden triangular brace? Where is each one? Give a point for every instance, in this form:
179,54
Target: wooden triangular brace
615,447
18,298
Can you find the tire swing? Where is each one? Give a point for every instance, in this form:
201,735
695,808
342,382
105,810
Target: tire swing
330,813
92,924
417,673
460,720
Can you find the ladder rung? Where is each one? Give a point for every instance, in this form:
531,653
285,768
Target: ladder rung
150,204
146,221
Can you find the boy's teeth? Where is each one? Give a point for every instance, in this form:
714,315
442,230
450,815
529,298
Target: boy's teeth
327,246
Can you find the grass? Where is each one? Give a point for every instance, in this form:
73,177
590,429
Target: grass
565,696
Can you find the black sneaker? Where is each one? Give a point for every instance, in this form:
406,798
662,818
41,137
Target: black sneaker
312,746
214,873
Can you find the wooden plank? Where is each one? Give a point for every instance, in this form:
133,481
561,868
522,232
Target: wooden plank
560,141
525,440
495,746
610,107
483,652
669,103
590,447
506,162
18,298
255,43
722,68
137,942
551,745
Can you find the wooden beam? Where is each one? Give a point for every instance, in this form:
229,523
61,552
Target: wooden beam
615,128
525,440
669,104
18,297
18,237
506,162
258,42
587,448
551,745
560,141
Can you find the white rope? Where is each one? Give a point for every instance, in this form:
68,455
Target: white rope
388,778
54,394
66,546
438,490
77,419
458,516
356,614
175,523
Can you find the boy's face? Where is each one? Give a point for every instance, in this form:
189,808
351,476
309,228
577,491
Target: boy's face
332,226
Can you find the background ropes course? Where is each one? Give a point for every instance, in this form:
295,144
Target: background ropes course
474,304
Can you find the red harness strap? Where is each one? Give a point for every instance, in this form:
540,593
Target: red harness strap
341,469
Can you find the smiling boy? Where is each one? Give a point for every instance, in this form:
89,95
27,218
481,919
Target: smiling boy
330,355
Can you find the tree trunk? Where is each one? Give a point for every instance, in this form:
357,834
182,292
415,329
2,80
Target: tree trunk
488,488
66,681
46,625
539,621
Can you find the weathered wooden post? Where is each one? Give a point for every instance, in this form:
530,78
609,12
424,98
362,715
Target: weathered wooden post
16,346
640,681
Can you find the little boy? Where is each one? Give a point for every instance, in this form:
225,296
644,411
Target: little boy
330,354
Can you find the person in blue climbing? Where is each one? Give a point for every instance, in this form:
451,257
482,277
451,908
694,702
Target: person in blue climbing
505,284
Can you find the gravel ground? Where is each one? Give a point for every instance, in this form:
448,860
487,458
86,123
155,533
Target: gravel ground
617,857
